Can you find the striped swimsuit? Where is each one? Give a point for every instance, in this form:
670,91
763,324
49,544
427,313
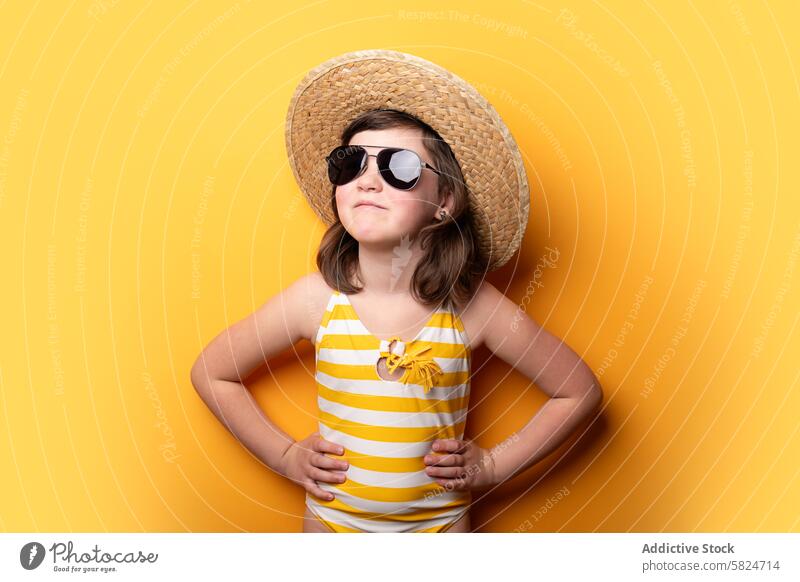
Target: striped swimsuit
386,427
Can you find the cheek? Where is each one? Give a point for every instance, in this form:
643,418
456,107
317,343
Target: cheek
413,209
343,198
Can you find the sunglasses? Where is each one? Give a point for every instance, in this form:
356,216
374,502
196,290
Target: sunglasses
398,167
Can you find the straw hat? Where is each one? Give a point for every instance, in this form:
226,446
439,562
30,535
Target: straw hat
334,93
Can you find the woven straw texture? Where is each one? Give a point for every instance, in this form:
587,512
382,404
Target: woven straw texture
335,92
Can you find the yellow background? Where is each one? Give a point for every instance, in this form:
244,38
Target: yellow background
146,204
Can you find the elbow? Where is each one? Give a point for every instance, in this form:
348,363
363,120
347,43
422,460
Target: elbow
199,375
595,394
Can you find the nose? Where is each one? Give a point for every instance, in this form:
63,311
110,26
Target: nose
369,178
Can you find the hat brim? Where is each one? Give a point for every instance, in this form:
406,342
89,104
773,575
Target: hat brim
335,92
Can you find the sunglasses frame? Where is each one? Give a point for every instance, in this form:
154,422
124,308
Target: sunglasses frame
379,158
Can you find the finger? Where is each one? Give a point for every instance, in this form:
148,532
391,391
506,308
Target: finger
453,484
446,472
323,446
448,445
324,462
327,476
448,460
318,491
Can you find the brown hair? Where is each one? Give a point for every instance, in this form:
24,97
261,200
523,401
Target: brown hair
451,268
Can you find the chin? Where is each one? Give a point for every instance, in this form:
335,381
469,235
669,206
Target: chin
373,238
372,234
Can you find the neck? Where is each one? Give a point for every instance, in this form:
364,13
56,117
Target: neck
387,270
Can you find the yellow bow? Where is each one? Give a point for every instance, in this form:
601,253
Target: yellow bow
418,369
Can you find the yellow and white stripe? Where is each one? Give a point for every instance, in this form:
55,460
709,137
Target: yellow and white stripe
387,427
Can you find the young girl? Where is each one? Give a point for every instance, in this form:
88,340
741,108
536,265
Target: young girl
425,193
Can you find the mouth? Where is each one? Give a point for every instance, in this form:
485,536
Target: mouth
368,205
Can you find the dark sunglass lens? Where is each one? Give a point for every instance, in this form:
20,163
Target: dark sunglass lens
400,168
344,164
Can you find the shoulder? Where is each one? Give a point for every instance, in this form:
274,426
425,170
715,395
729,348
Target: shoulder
310,294
316,288
486,314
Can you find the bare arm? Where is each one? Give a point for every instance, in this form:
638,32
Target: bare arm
574,391
217,374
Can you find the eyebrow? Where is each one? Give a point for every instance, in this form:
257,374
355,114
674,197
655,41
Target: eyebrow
373,146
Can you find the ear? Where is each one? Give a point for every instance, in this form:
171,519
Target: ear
446,201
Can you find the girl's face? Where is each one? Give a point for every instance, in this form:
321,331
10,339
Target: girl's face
399,213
